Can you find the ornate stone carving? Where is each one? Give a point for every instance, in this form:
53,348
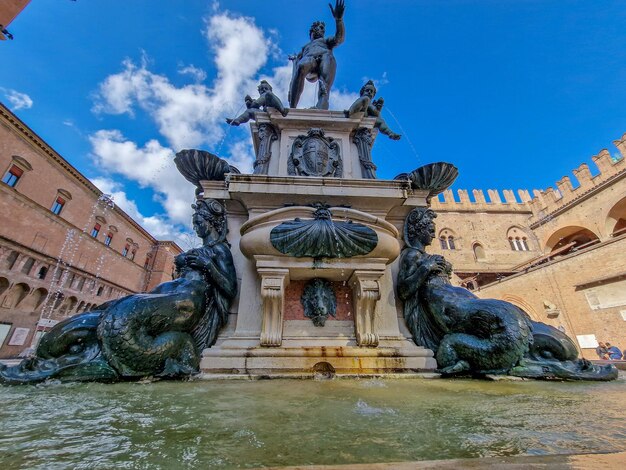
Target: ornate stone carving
363,140
321,237
472,336
315,155
161,333
273,284
319,301
365,293
267,135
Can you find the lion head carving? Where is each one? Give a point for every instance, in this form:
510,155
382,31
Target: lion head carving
319,301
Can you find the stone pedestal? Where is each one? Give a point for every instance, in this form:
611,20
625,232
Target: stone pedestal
259,340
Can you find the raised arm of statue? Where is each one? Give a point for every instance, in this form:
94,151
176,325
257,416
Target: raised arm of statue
340,33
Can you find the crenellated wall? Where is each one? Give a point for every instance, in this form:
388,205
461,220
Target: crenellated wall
572,274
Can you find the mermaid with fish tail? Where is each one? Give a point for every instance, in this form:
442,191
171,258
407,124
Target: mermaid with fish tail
473,336
160,333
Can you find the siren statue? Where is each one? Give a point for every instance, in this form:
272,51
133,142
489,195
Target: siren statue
316,61
469,335
158,334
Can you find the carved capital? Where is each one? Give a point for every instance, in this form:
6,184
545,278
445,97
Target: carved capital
365,295
273,284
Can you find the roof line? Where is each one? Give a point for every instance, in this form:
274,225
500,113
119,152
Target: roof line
50,152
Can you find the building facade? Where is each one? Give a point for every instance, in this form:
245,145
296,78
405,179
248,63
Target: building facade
9,9
64,246
559,254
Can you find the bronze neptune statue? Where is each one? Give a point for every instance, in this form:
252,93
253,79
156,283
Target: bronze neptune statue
472,336
316,61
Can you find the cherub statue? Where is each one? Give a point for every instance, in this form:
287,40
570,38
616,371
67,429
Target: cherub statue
373,110
266,99
366,104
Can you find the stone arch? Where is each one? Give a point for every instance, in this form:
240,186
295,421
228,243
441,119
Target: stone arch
573,235
68,305
34,300
521,304
16,295
42,272
615,222
479,251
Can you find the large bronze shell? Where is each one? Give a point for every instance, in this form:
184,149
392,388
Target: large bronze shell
197,165
435,177
323,238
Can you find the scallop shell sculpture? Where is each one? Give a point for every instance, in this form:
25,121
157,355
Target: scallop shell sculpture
435,177
198,165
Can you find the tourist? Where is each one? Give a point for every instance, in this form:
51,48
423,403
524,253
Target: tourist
602,352
615,354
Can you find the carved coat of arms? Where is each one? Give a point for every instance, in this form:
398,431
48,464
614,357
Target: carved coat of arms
315,155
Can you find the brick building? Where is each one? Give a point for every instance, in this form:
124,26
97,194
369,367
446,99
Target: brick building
64,247
9,9
559,254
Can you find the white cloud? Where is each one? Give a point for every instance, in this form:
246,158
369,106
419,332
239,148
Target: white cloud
151,166
192,115
157,225
196,73
16,99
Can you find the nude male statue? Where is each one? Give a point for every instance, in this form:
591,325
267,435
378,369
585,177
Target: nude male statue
316,62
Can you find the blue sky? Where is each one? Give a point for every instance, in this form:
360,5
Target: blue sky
516,93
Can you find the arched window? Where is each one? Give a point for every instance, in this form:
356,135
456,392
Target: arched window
11,259
447,240
28,265
517,239
15,171
42,272
479,252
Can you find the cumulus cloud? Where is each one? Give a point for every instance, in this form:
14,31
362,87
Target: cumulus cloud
192,115
16,99
196,73
160,226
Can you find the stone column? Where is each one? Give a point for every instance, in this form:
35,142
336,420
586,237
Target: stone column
273,284
365,295
363,140
267,135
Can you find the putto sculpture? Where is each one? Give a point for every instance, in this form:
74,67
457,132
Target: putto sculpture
316,61
366,104
266,99
160,333
473,336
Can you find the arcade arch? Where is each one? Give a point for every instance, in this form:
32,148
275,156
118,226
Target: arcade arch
616,219
570,238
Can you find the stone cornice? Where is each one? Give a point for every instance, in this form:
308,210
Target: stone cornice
17,125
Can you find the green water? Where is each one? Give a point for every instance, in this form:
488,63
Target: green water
234,424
